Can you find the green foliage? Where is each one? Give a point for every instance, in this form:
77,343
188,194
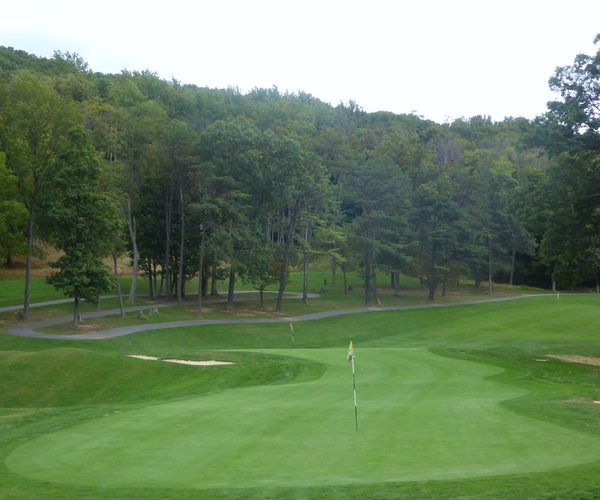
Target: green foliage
13,215
81,221
474,199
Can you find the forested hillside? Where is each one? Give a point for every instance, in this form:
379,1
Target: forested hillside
192,181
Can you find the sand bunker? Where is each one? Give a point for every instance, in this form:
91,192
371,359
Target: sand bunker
569,358
211,362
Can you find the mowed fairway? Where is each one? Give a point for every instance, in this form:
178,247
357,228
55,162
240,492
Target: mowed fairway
422,416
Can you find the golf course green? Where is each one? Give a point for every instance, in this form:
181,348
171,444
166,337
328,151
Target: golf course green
422,417
451,401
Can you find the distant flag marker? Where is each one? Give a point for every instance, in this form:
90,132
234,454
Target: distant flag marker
351,358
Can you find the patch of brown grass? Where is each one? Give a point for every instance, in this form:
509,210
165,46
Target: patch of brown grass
571,358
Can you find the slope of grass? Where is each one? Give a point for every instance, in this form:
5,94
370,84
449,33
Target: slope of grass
423,417
513,422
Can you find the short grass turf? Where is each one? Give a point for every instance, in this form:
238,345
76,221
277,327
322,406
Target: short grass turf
422,417
452,402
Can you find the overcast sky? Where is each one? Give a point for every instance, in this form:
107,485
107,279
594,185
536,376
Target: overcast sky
440,59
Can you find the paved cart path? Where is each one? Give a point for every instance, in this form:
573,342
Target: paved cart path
30,330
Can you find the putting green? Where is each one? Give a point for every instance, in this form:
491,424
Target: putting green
421,417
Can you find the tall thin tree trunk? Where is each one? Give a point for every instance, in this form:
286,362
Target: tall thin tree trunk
368,276
162,284
76,310
155,275
132,234
305,280
200,271
375,294
333,273
305,269
286,255
213,281
512,267
150,282
118,281
490,273
433,273
167,265
180,283
230,289
345,279
27,297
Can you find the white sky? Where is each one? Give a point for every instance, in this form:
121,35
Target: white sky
440,59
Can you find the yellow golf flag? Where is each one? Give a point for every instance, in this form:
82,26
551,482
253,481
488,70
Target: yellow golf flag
351,355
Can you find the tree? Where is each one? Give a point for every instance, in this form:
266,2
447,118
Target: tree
81,221
261,269
579,110
232,149
140,123
571,241
440,228
35,122
13,215
377,195
300,182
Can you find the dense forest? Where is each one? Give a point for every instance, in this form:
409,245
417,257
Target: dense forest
190,181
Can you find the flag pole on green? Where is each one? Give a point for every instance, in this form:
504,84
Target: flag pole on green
351,358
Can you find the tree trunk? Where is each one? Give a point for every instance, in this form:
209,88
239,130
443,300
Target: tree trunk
305,280
155,275
333,273
396,283
261,294
118,281
230,289
132,234
375,294
368,276
167,268
204,280
181,249
27,297
286,255
432,285
433,274
213,281
150,282
491,286
162,284
200,271
76,310
512,268
305,269
345,279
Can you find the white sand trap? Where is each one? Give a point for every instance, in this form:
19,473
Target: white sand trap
211,362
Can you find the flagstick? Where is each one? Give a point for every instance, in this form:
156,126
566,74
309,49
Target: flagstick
354,388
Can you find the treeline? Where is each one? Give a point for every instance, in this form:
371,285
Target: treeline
192,181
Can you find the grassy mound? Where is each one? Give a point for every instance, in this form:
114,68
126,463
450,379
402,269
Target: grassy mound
70,376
